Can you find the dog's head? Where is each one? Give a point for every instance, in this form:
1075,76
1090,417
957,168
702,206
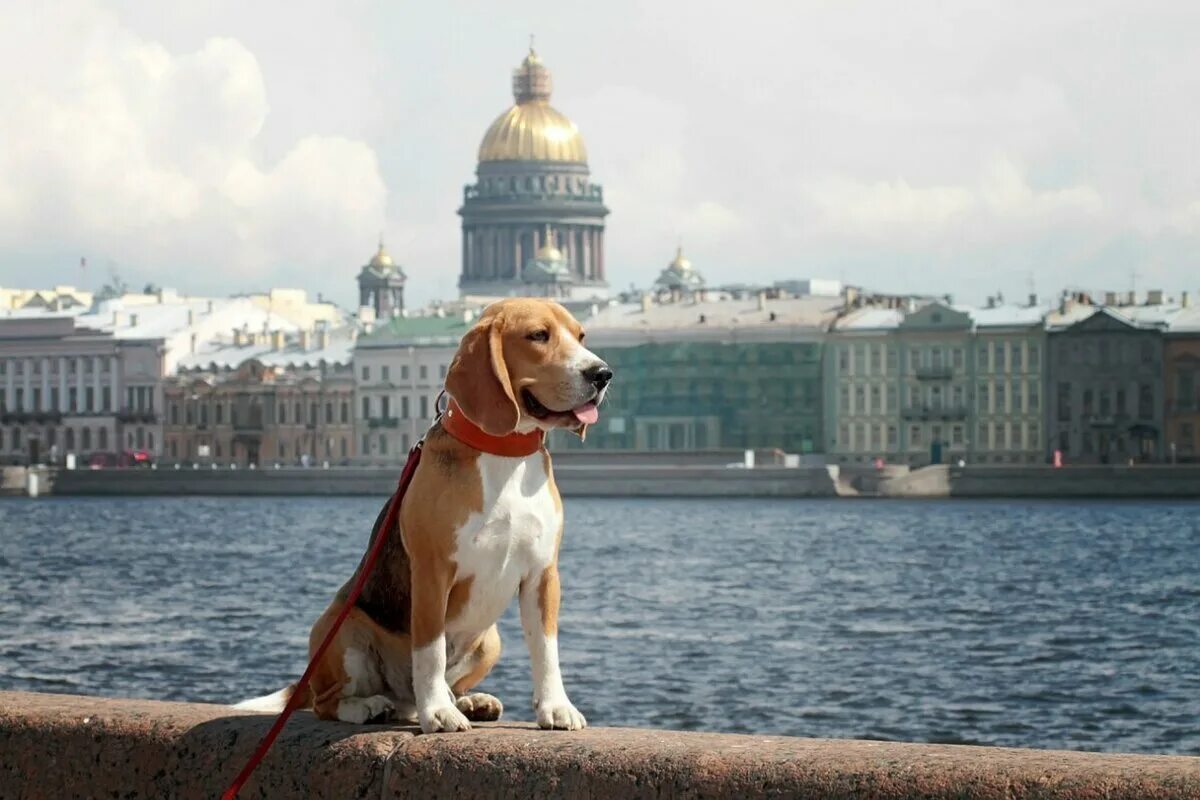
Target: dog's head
524,366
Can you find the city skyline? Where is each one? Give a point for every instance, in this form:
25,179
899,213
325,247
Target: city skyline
967,153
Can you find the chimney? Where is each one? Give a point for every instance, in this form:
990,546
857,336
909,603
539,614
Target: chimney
851,295
323,337
1132,301
1154,297
209,308
133,320
239,338
277,340
1185,300
762,301
306,340
646,301
1032,300
1110,299
991,302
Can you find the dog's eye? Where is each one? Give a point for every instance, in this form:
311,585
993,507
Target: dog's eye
539,336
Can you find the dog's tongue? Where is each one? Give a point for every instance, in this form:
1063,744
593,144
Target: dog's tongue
586,413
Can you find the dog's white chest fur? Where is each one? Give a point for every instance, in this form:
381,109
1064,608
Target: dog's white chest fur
512,538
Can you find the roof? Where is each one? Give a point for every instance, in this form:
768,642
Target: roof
1186,321
1007,316
429,330
743,319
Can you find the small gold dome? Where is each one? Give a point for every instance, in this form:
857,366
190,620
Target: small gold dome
680,263
532,130
549,250
381,257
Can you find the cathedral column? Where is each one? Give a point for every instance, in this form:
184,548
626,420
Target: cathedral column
515,235
600,254
466,253
588,272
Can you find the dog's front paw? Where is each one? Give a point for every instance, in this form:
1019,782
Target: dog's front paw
443,719
560,715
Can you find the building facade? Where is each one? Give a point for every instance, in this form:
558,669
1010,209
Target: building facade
1009,368
257,415
399,371
381,285
533,190
70,390
711,374
1105,389
862,388
1181,362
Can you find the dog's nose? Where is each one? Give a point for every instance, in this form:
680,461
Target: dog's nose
598,375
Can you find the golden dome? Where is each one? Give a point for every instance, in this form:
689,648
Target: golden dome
532,130
381,257
549,250
680,264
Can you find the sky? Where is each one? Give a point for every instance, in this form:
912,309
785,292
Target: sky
962,148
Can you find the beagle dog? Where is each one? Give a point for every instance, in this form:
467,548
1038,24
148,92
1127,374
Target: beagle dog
481,521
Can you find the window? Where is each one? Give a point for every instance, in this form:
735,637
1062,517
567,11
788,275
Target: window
366,445
442,370
914,436
1105,402
1145,401
982,436
876,359
366,373
1064,402
998,357
844,436
37,400
106,395
935,357
1148,352
1088,396
72,399
54,398
983,358
382,444
404,407
956,435
891,359
914,359
385,406
423,372
329,413
957,357
220,412
860,401
845,400
957,394
1015,356
891,436
174,413
891,399
1120,401
16,436
282,450
1033,442
1001,432
204,413
935,434
860,359
282,413
343,447
345,415
875,399
385,370
366,408
424,407
859,437
984,398
1031,396
1033,356
1185,389
102,438
403,372
1015,397
20,399
70,440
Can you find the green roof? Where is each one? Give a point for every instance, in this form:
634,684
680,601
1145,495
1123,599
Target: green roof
430,331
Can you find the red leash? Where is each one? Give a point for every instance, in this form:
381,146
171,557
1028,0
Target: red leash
389,522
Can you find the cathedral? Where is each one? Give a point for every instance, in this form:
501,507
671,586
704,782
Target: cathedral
533,221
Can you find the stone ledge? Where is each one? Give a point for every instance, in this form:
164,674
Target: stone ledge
67,746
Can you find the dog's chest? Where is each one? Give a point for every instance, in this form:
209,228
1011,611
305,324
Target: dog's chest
514,536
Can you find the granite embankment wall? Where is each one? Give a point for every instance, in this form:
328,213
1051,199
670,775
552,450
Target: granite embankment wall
64,746
573,481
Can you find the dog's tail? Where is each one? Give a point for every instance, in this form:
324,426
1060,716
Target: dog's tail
269,703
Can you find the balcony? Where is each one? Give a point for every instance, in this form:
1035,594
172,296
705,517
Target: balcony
942,412
941,372
1104,420
252,425
383,422
133,415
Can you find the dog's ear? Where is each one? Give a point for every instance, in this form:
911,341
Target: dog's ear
478,379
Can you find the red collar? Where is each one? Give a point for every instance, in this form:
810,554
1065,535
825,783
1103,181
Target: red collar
514,445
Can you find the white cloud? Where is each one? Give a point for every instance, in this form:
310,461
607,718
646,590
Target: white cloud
999,200
124,150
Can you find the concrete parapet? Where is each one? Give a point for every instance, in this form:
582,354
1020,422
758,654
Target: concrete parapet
66,746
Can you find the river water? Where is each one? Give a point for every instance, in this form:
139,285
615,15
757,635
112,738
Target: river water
1040,624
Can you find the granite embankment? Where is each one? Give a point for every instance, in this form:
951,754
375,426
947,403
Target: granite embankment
65,746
